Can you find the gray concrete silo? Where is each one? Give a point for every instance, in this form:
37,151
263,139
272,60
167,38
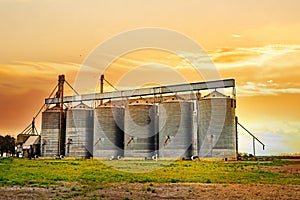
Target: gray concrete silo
79,131
141,136
50,132
177,128
108,132
217,130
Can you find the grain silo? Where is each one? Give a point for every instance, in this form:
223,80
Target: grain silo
141,135
51,131
108,132
177,128
217,129
79,131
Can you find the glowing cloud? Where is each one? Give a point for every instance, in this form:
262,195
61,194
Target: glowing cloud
235,36
24,76
269,88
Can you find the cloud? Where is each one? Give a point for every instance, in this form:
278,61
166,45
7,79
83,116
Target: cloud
201,60
41,68
235,35
22,76
268,88
267,70
266,56
233,58
201,57
127,61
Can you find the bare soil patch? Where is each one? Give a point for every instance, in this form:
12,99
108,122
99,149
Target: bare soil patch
291,160
164,191
18,192
287,169
199,191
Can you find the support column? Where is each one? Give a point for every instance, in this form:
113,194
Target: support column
236,138
61,81
254,147
101,87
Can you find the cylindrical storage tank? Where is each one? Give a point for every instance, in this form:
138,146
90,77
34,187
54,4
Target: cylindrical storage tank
141,136
217,132
79,131
177,128
109,132
50,132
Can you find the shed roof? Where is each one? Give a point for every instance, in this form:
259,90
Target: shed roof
34,139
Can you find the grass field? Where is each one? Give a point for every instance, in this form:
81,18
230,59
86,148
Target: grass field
78,178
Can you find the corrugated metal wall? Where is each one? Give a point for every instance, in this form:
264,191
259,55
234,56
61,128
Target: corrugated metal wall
80,131
216,133
108,132
177,127
50,132
141,136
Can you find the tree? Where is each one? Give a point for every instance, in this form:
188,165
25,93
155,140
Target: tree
7,145
2,146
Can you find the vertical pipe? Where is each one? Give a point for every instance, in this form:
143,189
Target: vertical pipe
101,87
195,126
253,146
61,80
233,93
75,152
236,138
33,126
211,145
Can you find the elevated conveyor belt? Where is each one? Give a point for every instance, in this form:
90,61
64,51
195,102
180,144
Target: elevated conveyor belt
226,83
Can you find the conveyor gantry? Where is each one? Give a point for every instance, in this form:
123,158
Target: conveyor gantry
181,88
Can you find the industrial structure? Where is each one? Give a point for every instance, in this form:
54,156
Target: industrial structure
28,142
178,127
79,131
108,131
53,132
173,121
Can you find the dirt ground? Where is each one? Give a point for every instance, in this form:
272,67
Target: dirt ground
165,191
288,169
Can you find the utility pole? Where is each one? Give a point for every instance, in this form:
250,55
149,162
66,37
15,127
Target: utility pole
61,81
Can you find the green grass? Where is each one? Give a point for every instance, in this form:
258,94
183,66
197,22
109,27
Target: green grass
94,174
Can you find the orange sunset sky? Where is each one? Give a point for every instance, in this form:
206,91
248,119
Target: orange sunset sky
255,42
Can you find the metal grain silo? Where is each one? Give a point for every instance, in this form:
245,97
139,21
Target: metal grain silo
141,136
79,131
177,128
50,132
108,132
217,130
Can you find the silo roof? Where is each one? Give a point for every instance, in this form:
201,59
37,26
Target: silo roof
215,94
55,108
81,106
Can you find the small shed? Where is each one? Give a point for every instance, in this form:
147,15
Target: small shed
31,147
